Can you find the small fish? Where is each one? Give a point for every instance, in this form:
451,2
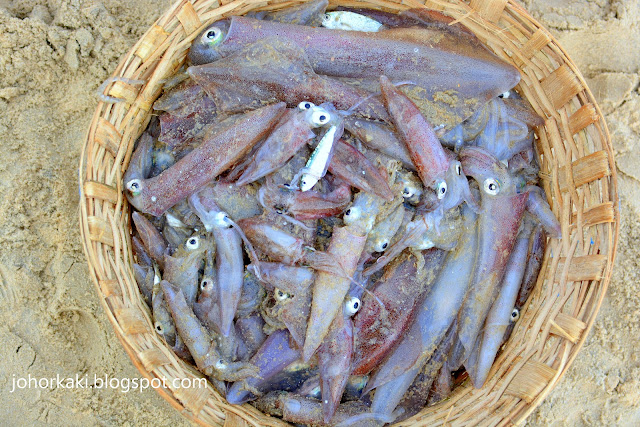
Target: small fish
350,21
317,165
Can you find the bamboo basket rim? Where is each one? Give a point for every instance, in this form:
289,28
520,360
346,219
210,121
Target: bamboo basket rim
578,175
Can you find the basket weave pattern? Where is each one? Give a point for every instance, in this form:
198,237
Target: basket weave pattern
577,174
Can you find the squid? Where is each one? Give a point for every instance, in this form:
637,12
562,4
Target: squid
229,256
155,245
499,316
353,167
379,136
437,312
305,205
200,343
437,60
335,355
292,291
272,357
391,306
436,167
274,68
216,154
290,134
503,203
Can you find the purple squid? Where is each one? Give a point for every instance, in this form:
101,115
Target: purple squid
290,134
353,167
422,233
535,253
502,207
275,354
352,391
436,60
438,310
330,289
217,153
162,321
141,161
144,276
335,356
252,294
502,126
343,255
537,246
414,399
436,167
237,202
292,291
278,69
278,244
229,255
379,136
385,230
140,252
387,312
299,409
187,110
207,306
152,239
305,205
251,334
200,343
503,135
499,316
182,268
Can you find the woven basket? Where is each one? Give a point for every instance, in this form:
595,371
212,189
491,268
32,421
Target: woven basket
577,173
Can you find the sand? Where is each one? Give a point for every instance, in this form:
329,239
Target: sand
53,56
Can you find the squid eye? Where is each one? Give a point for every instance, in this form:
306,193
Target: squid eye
320,118
407,193
221,220
352,214
159,327
491,186
205,285
352,306
459,169
506,94
192,243
441,189
220,365
134,187
281,295
212,36
306,105
515,315
379,247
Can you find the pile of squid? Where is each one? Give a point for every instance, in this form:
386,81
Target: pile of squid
336,213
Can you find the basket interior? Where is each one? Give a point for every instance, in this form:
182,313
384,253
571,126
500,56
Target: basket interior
577,174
